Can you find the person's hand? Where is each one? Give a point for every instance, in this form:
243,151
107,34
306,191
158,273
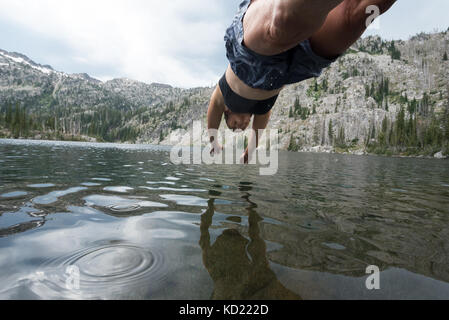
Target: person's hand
216,148
244,159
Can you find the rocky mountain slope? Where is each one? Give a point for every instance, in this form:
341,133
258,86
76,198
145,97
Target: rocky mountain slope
380,97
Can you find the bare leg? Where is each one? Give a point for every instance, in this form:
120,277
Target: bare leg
274,26
344,25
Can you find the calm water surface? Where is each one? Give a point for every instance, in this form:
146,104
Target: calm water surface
138,227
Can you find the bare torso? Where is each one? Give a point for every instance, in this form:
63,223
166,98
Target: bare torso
243,90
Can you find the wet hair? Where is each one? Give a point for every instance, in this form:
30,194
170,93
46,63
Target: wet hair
227,117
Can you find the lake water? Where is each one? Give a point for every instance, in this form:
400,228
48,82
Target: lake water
135,226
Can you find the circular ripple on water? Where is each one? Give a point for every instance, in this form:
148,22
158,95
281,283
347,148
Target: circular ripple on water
124,207
108,268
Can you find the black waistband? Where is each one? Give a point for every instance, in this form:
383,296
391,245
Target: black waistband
240,104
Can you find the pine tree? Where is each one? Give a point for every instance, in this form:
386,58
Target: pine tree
316,134
445,56
392,136
446,122
294,145
385,124
17,122
410,133
341,138
400,127
23,124
8,117
291,146
325,85
373,132
383,134
323,134
394,52
331,133
304,113
161,136
412,106
297,106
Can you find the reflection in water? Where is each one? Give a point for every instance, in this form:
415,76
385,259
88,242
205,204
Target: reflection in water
239,267
22,227
53,196
15,194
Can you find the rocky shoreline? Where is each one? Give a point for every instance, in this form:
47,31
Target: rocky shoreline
317,149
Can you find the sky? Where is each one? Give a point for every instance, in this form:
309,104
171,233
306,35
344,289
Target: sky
176,42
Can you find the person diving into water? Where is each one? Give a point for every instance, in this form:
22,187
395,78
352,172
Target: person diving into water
273,43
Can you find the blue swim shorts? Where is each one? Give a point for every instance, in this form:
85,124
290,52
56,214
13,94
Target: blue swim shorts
270,72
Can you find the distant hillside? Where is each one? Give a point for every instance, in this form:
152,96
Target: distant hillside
385,97
39,102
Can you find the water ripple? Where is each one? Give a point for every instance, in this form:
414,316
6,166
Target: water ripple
118,189
186,189
90,184
41,185
105,270
55,195
186,200
14,194
120,204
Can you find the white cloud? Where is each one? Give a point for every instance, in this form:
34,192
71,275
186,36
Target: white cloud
147,40
179,42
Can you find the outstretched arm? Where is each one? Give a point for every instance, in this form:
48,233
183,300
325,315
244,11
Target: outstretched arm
214,117
260,122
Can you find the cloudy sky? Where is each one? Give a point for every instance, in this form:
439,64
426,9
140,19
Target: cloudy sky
178,42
